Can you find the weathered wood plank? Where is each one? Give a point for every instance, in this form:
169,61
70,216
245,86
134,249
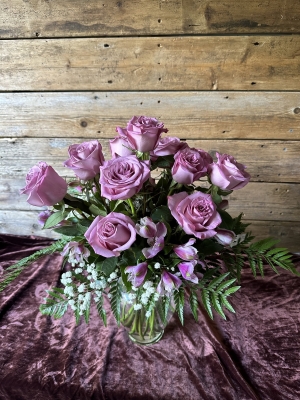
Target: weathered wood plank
215,115
152,63
32,18
25,223
266,160
258,201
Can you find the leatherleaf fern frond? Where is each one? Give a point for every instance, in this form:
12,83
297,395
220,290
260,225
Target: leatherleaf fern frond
56,303
15,270
215,295
115,299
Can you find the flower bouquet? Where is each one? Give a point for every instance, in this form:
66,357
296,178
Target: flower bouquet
146,228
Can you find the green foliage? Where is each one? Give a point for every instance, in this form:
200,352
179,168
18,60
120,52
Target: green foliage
108,265
55,219
14,270
163,162
56,304
194,303
72,230
179,302
101,311
115,299
214,295
162,213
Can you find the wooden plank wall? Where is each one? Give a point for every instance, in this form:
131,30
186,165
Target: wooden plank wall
222,75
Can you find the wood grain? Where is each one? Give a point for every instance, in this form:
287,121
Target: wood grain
152,63
214,115
33,18
25,223
257,201
269,161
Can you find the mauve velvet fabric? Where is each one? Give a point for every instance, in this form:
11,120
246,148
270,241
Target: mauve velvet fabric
252,355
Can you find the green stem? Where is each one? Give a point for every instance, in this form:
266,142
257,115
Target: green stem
129,202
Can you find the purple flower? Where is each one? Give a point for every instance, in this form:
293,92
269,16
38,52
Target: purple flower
168,282
123,177
112,234
44,186
85,159
186,251
137,273
195,213
227,173
190,165
187,271
154,233
120,146
43,216
143,132
77,252
224,236
167,146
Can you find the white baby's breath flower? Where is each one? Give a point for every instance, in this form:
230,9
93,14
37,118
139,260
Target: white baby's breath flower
148,313
81,288
80,297
68,274
93,285
137,306
157,265
113,275
109,295
78,270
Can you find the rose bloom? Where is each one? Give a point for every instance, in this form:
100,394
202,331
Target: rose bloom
44,186
143,133
119,146
85,159
112,234
195,213
227,173
123,177
167,146
190,165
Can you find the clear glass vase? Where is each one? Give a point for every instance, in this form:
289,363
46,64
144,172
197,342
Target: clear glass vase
145,329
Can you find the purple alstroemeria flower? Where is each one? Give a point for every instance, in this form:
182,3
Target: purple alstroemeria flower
137,273
224,236
77,252
187,271
186,251
154,233
168,282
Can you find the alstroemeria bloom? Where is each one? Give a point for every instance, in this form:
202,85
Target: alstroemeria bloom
187,271
186,251
77,252
168,282
137,273
224,236
154,233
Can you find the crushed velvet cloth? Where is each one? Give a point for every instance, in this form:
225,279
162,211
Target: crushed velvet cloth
253,355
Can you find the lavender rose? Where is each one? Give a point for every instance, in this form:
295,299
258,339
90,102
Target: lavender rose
123,177
112,234
44,186
143,132
167,146
227,173
190,165
195,213
85,159
120,146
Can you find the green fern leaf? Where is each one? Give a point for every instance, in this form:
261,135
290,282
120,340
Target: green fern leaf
194,304
216,304
224,285
115,300
231,290
101,310
179,302
216,282
55,305
206,302
226,304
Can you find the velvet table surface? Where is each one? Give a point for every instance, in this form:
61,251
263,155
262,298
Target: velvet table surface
252,355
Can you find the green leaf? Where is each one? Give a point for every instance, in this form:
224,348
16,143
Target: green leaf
108,265
163,162
179,302
55,305
215,282
224,285
74,230
231,290
125,280
87,310
194,304
166,301
226,303
162,213
263,245
206,302
101,311
115,299
55,219
97,211
216,305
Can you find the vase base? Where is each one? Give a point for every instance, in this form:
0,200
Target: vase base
146,340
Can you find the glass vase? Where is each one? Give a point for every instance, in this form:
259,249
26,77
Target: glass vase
143,328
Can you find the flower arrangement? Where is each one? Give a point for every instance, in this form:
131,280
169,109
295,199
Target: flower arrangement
150,222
